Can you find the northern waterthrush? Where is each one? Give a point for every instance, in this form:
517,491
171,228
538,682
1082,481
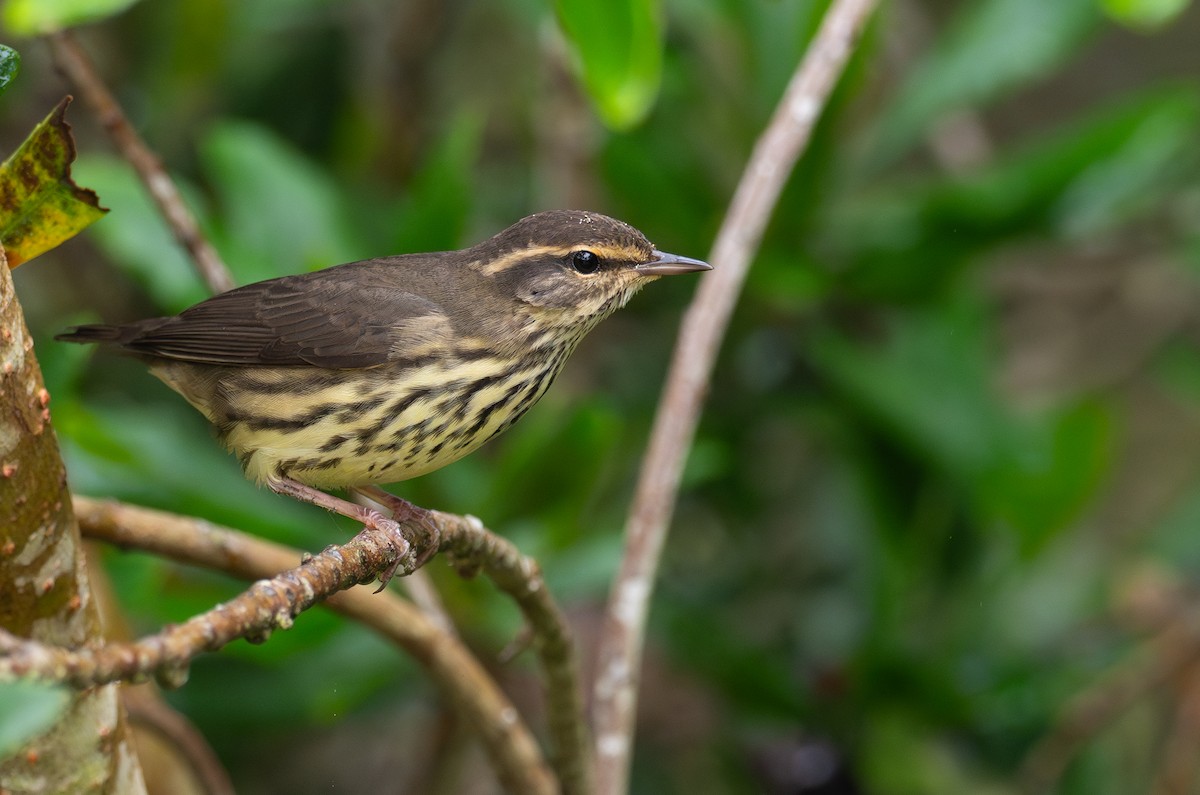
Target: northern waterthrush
382,370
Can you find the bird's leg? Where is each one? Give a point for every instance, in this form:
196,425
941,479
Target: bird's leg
367,516
404,511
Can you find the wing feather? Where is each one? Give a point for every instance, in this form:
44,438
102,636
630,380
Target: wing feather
349,317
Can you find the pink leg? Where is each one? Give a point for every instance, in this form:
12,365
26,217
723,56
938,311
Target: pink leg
368,517
298,491
402,510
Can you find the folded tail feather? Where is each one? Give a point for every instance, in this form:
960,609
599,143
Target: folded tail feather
95,332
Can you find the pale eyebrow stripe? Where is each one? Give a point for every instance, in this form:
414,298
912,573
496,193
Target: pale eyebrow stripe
622,254
513,257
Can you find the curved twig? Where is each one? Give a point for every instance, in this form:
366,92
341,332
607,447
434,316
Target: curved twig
521,578
73,61
775,153
472,548
513,751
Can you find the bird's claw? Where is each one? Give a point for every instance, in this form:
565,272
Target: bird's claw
422,549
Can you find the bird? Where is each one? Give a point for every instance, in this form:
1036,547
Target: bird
382,370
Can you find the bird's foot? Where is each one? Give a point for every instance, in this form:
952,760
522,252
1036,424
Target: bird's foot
402,512
405,512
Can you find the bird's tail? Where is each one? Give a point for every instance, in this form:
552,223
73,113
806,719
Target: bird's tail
95,332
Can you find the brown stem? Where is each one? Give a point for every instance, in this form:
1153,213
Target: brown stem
474,694
520,578
1170,651
71,59
1181,751
471,548
774,155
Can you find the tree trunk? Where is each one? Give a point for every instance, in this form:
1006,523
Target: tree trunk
44,593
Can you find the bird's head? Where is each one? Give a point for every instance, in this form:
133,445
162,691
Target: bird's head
573,268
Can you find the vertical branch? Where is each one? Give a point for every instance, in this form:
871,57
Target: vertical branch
74,62
703,327
44,592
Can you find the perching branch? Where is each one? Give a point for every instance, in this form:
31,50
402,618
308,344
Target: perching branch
417,586
472,691
74,63
774,155
268,605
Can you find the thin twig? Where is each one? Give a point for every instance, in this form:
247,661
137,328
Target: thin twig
1181,749
521,578
472,691
73,61
472,548
1164,656
775,153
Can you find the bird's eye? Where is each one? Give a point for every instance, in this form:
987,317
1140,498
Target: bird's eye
585,261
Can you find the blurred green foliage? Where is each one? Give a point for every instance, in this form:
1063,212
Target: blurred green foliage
1145,14
33,17
618,47
953,427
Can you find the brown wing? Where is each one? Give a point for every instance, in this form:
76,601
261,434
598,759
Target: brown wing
342,318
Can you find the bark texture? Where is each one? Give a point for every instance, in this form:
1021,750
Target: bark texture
44,592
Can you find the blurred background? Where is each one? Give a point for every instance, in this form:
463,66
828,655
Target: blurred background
940,530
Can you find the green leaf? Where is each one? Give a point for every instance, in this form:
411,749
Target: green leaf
929,388
135,238
1144,14
618,48
38,17
1131,177
927,385
434,213
908,238
27,709
1047,471
40,206
901,754
10,65
282,214
991,47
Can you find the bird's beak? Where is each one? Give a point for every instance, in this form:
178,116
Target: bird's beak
665,264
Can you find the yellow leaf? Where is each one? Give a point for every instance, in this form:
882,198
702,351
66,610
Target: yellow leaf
40,206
